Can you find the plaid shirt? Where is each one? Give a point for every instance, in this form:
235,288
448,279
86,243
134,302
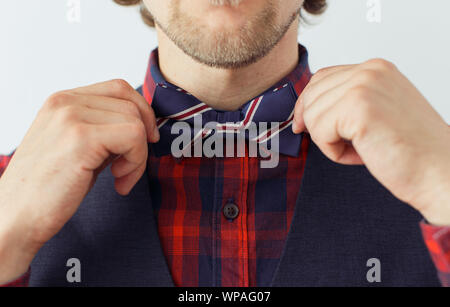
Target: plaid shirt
203,247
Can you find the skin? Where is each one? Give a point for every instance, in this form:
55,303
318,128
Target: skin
76,134
371,114
221,88
357,114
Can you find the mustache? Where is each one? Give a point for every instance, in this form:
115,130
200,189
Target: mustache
225,2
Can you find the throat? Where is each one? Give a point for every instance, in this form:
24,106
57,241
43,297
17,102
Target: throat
228,89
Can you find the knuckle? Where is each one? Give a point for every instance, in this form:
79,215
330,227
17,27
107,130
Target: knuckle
78,133
357,120
308,94
308,118
68,114
306,101
58,99
359,94
137,131
132,108
368,76
321,71
361,104
120,86
381,64
365,110
314,79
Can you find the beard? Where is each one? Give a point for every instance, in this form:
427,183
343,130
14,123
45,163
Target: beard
227,49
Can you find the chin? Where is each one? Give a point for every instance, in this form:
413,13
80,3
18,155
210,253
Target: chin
226,21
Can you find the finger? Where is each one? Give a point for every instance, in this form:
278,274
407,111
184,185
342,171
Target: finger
325,100
321,104
87,114
325,72
340,152
298,124
345,71
100,169
325,132
127,140
106,103
122,90
126,183
318,86
333,122
122,167
321,95
330,77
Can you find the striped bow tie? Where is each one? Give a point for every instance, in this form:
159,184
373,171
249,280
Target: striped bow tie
276,105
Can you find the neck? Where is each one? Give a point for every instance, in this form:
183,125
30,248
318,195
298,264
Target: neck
227,89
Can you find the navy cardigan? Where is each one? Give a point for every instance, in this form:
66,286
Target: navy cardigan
343,217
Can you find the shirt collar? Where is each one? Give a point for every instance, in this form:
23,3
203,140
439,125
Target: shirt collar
296,80
299,77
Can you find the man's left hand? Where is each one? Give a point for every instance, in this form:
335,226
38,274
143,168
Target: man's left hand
371,114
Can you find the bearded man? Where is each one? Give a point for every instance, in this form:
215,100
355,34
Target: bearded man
360,190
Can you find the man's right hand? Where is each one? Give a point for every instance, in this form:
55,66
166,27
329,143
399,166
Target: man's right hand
76,134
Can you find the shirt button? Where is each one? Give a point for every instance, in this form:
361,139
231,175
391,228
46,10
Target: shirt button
231,211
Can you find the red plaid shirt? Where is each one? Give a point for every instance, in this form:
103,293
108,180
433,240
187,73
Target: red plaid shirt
204,248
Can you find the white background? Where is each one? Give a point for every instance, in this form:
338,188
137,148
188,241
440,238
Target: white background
41,52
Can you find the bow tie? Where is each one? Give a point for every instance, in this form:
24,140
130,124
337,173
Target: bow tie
174,105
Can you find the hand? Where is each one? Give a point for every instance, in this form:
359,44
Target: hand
75,135
371,114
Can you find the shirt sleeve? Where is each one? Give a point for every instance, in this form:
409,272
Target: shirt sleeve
437,239
23,280
4,161
20,282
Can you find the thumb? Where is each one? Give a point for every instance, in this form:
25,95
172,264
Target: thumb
298,124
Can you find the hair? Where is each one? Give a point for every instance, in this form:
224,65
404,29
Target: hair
313,7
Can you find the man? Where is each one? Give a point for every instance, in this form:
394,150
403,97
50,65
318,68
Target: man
364,161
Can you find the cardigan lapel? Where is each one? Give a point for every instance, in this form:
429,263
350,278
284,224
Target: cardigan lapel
114,237
343,218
